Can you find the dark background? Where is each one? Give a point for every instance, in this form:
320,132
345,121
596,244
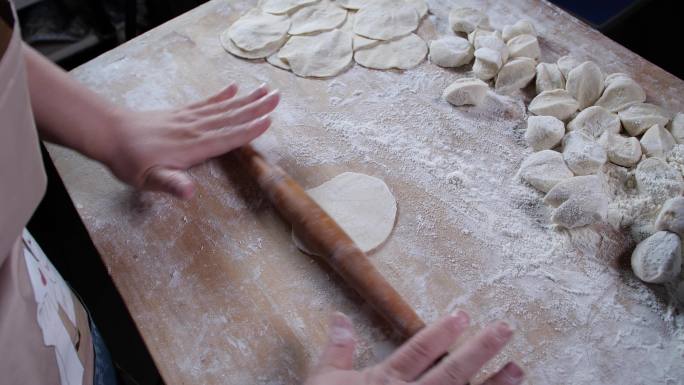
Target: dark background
653,29
71,32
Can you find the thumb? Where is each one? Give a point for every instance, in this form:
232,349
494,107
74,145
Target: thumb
175,182
339,352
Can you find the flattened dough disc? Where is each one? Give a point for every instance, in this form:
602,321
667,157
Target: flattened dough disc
404,53
420,5
361,204
283,6
256,30
322,55
322,16
352,4
386,20
261,53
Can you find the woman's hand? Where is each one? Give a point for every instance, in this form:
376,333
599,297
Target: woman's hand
153,150
413,362
148,150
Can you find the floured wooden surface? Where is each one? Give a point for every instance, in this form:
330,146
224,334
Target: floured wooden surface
221,295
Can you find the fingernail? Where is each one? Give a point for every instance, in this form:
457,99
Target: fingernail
461,318
514,373
503,330
340,333
262,86
276,91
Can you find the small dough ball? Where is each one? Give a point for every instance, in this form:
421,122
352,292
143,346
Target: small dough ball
261,53
515,74
549,77
556,103
566,64
488,62
362,205
257,30
585,83
677,128
323,55
621,92
494,42
322,16
283,6
579,201
544,132
467,19
482,32
657,142
521,27
658,259
403,53
671,217
386,21
451,51
658,180
544,169
594,121
638,118
466,91
524,46
582,154
621,150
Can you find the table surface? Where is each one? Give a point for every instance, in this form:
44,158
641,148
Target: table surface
220,294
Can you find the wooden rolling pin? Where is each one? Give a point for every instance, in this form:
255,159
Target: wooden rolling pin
320,232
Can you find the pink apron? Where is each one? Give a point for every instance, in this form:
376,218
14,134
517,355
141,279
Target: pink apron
44,331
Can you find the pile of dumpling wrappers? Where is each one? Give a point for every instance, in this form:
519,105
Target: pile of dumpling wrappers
323,38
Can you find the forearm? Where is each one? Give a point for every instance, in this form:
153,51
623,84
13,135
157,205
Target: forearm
66,112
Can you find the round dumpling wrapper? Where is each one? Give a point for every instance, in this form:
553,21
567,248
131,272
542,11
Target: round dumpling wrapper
323,55
362,205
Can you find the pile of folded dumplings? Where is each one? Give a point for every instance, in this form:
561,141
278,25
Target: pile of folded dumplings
583,124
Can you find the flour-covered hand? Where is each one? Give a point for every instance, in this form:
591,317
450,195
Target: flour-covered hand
414,362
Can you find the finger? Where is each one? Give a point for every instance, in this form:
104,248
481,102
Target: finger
244,114
339,351
226,93
421,351
462,364
175,182
231,104
511,374
219,142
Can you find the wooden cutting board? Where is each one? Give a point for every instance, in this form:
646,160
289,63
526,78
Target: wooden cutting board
220,294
